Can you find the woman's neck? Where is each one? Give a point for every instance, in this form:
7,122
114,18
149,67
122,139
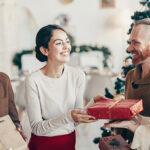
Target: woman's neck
53,70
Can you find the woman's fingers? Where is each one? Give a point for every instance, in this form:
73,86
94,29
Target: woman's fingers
22,133
80,111
81,116
99,97
86,119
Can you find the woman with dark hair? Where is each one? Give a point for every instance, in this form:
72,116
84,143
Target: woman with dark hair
7,104
54,94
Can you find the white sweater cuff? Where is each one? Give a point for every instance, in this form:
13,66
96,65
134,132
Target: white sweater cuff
141,138
91,102
69,117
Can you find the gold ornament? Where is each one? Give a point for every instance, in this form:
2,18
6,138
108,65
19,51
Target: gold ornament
66,1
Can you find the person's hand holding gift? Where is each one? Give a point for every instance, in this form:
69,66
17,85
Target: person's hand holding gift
98,98
105,108
80,116
131,125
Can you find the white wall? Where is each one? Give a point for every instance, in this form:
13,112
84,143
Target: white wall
89,22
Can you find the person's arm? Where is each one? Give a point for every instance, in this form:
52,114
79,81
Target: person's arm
94,100
143,119
12,111
80,87
79,114
11,105
131,125
141,138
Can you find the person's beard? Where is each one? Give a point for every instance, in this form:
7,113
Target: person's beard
141,59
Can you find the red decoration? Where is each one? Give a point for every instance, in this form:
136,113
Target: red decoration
115,109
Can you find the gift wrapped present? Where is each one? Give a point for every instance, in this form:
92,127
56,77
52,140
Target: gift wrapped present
115,109
10,138
113,143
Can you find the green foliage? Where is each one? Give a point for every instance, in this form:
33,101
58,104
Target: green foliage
96,140
87,48
17,57
108,94
127,69
119,86
82,48
145,3
130,29
139,15
106,132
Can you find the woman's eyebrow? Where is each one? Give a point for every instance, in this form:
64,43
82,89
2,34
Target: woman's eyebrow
59,39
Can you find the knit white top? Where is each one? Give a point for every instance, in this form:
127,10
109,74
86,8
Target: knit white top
49,101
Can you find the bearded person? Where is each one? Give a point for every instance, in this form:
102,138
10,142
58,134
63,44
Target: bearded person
138,86
138,79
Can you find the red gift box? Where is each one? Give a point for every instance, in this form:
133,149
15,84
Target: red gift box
115,109
113,143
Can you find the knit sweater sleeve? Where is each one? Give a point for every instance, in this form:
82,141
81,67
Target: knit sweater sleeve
38,125
80,88
12,111
141,138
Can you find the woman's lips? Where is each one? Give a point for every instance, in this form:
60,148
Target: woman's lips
65,53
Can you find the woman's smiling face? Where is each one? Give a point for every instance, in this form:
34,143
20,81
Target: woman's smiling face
59,47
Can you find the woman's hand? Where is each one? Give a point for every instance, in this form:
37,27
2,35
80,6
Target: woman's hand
81,116
22,133
99,97
130,125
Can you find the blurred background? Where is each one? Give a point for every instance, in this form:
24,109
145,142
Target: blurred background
98,32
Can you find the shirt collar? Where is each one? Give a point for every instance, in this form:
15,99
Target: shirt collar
137,76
